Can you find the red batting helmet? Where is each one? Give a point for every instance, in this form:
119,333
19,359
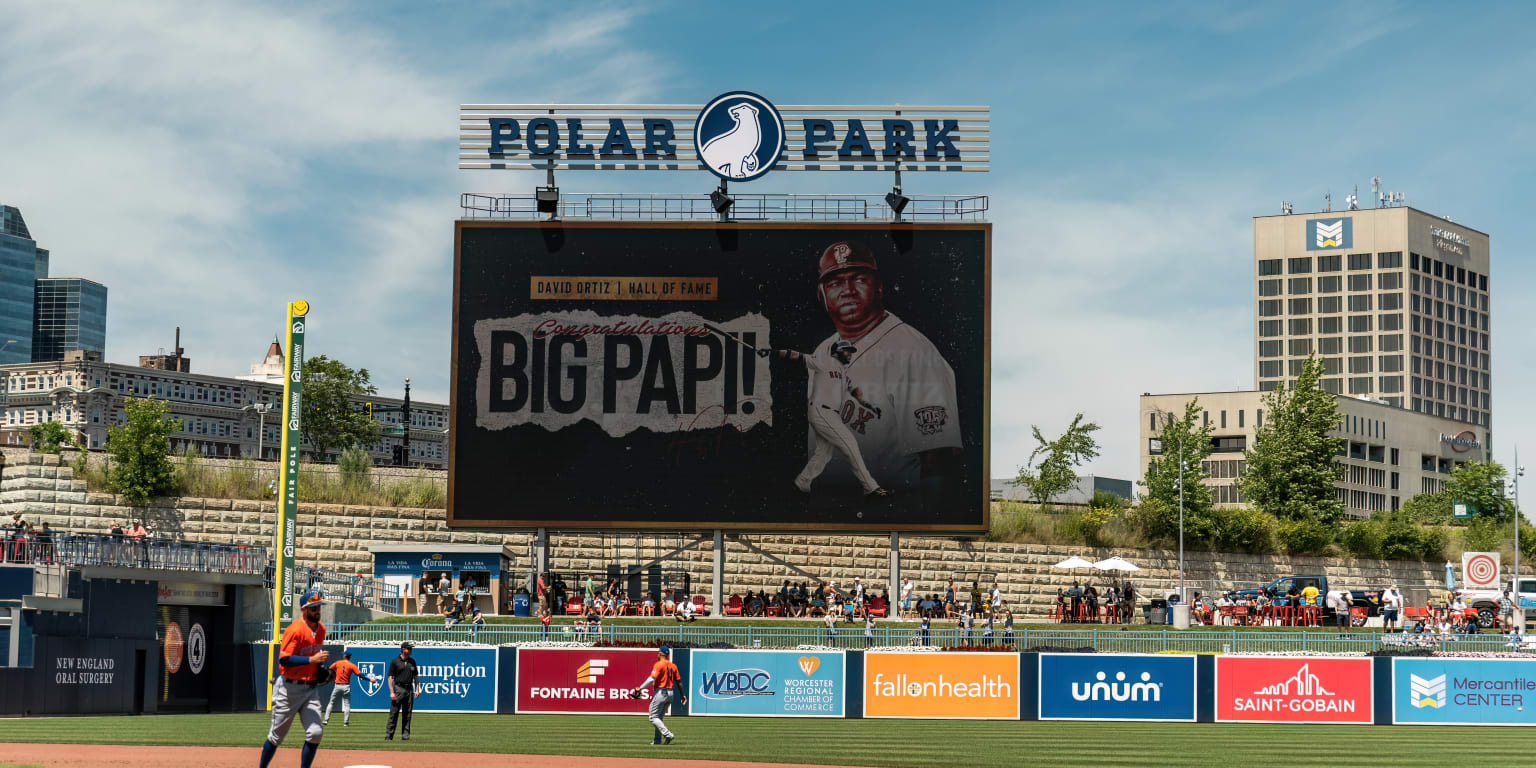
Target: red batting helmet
844,255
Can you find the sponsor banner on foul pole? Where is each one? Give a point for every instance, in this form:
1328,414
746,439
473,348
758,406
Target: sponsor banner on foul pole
287,490
1273,689
766,683
788,375
591,681
942,685
1463,691
451,679
1100,686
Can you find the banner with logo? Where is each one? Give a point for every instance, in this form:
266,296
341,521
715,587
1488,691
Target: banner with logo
1480,570
1432,691
452,679
590,681
1272,689
766,683
286,527
1101,686
976,686
781,374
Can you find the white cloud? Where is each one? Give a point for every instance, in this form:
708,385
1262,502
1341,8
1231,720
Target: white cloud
1096,302
209,162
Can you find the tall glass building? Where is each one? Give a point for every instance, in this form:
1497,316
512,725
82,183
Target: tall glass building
71,314
20,262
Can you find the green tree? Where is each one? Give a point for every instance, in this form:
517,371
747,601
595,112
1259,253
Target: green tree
1480,485
1293,463
1162,480
49,437
1059,459
140,448
330,422
1430,508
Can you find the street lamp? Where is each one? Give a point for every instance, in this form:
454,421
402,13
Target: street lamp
1181,519
261,430
1519,609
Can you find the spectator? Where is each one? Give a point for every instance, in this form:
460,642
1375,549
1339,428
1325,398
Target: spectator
1506,611
668,606
1061,604
685,610
949,599
906,597
544,620
754,604
975,606
1128,596
1091,598
422,589
476,621
922,629
1075,602
588,592
963,623
45,544
997,597
1309,594
1008,626
1293,596
648,605
858,596
927,608
444,591
1197,610
869,629
116,531
1391,604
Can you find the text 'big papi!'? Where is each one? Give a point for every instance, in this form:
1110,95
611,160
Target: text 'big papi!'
622,372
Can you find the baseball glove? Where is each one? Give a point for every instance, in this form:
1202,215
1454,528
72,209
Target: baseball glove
324,674
635,693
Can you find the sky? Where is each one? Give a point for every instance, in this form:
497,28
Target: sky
211,161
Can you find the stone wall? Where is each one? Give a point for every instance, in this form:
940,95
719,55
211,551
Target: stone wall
337,538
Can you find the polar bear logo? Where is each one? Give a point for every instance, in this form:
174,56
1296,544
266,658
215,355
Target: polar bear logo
734,153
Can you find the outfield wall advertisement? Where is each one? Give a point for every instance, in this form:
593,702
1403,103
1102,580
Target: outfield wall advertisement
981,686
1274,689
741,376
452,679
1433,691
1099,686
589,681
767,683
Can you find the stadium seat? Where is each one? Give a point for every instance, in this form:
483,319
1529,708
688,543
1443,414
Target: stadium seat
733,606
877,607
699,605
573,606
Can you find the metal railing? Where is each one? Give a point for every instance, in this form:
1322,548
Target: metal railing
101,549
852,636
747,207
357,589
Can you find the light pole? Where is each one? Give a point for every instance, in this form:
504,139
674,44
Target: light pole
1519,609
1181,519
261,430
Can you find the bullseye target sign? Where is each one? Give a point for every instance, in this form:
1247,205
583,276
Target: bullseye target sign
1480,570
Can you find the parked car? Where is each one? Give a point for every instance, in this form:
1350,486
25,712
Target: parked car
1370,599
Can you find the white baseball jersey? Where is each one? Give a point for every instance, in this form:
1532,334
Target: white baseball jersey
899,371
828,385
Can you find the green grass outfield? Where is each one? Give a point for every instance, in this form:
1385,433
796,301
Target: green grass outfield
943,744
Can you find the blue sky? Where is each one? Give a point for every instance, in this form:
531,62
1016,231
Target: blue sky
210,161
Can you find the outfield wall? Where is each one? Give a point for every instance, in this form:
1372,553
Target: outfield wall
958,685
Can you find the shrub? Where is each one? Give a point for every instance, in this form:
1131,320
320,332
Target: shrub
1433,541
1401,537
1087,526
1242,529
49,437
1485,534
1362,539
1156,521
354,464
1306,537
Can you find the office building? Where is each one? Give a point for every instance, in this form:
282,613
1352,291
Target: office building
1391,454
70,315
221,416
21,264
1394,301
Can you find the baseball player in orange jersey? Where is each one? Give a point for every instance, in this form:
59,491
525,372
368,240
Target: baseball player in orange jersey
829,386
342,691
916,443
296,691
665,679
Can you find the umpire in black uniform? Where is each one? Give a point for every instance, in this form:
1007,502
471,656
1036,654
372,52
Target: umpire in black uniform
402,692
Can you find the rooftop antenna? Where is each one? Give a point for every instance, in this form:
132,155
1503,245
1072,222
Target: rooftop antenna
1286,208
1328,199
1376,190
1354,199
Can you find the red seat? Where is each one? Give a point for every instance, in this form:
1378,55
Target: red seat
733,606
877,607
698,605
573,606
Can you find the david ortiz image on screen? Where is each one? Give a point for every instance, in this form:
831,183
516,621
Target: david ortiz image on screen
880,381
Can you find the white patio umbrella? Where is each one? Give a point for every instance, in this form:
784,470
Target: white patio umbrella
1073,562
1116,563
